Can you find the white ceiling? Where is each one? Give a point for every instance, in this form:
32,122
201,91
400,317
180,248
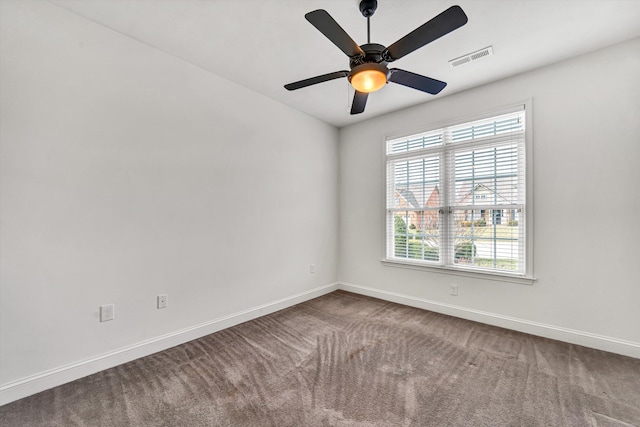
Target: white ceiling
264,44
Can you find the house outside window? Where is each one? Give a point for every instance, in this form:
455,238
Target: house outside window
457,197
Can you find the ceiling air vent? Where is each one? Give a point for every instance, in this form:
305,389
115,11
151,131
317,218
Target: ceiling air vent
473,56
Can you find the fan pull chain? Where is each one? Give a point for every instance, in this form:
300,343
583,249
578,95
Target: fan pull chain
348,96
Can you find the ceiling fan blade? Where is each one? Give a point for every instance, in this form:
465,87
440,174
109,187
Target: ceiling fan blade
359,102
315,80
416,81
329,27
443,24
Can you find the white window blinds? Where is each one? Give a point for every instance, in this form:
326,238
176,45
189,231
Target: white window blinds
456,196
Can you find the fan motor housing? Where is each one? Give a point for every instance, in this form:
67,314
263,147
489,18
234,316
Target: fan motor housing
372,54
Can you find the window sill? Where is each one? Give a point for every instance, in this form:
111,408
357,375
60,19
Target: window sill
485,275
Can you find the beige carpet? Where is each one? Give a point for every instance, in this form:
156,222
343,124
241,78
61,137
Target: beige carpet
349,360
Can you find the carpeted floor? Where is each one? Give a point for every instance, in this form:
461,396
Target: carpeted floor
349,360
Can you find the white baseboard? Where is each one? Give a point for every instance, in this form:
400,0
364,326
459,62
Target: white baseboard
600,342
45,380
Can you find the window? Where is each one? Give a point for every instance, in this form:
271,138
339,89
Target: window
457,199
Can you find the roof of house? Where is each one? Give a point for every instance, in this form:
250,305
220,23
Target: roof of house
468,188
411,198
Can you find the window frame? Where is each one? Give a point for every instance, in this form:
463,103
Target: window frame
526,277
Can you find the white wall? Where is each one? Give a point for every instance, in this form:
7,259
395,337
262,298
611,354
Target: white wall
127,173
586,149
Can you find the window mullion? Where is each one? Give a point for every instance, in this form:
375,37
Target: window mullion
448,186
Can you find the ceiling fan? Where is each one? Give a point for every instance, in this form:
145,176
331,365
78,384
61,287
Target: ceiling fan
368,62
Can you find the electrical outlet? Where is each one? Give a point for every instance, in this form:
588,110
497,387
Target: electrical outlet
453,290
107,312
312,268
162,301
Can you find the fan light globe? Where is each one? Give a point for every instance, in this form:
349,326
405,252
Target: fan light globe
369,80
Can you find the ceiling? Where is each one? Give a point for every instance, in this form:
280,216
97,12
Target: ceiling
264,44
